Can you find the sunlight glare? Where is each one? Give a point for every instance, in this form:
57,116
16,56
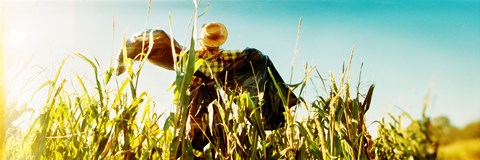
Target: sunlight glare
15,37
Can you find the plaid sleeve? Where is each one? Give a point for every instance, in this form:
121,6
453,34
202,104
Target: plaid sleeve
231,54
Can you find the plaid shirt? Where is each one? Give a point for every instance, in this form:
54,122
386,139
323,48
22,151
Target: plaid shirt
216,61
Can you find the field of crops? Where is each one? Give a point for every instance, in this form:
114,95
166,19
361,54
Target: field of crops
120,122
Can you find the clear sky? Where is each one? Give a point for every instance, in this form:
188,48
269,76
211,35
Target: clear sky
408,48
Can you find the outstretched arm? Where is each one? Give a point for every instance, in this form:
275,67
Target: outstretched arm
160,54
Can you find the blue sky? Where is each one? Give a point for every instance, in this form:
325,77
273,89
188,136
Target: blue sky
408,48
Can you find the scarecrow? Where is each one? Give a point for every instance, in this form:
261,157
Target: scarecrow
236,70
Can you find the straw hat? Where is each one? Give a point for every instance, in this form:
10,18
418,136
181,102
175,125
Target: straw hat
213,34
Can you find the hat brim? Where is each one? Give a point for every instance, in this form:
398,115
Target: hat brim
214,42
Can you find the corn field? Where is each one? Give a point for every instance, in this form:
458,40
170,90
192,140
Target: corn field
121,123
